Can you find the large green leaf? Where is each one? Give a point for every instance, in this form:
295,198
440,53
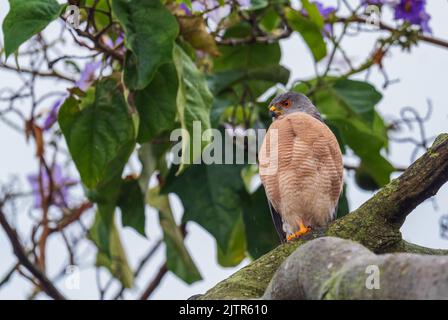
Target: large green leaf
26,18
210,195
178,258
313,13
100,132
194,101
150,30
310,32
115,259
248,56
225,79
367,145
132,205
237,246
361,97
156,104
260,230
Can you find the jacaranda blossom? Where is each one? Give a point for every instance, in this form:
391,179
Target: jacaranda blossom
52,117
88,75
413,11
61,185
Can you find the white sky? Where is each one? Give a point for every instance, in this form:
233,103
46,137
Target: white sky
422,75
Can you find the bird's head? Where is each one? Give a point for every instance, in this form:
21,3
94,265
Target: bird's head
290,102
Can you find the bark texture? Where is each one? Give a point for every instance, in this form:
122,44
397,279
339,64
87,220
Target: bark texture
375,225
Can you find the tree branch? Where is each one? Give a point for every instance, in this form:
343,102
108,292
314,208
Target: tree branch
154,282
46,284
52,74
375,224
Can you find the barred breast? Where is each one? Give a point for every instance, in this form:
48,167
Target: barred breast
301,171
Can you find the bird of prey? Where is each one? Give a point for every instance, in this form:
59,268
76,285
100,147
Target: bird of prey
300,167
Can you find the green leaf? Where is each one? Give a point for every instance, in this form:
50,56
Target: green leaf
132,205
114,260
243,57
237,246
152,158
258,4
101,6
313,13
178,258
364,180
270,21
343,208
260,231
310,32
99,131
156,104
361,97
194,101
367,145
273,74
25,19
150,30
218,108
210,195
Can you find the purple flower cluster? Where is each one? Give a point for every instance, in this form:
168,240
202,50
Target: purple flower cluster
411,11
61,185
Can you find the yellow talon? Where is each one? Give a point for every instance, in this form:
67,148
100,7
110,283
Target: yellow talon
303,230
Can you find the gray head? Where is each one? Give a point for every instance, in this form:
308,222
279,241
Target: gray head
290,102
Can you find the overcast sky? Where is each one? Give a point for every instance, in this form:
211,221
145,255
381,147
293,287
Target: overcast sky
422,76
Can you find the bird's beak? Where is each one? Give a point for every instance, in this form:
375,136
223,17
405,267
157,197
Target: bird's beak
274,112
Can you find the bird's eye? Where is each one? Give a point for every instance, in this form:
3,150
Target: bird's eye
286,103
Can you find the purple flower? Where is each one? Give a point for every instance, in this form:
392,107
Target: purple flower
324,11
88,75
413,11
52,117
61,185
113,44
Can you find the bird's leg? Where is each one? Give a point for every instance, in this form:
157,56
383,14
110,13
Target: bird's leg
303,230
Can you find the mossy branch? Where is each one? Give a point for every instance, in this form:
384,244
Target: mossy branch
375,224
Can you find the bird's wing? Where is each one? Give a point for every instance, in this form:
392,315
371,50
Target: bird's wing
278,223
